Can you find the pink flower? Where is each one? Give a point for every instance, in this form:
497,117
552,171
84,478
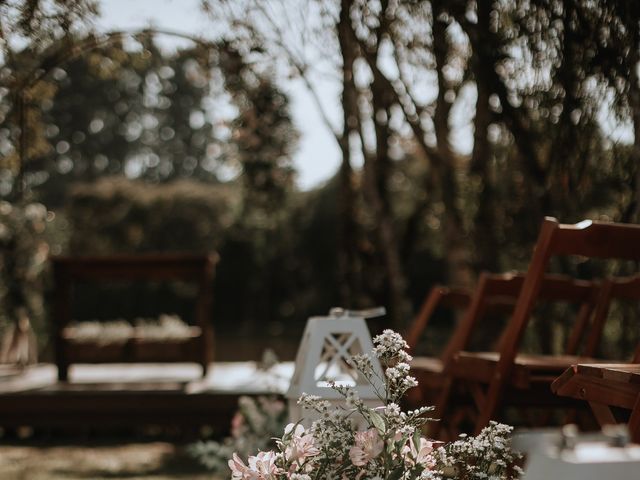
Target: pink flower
368,446
301,445
420,455
264,464
261,467
238,469
237,425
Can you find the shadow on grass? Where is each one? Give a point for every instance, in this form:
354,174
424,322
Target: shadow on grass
174,465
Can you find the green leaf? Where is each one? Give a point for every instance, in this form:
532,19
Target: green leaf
395,474
378,422
417,435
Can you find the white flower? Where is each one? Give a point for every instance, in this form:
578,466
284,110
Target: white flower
392,410
390,345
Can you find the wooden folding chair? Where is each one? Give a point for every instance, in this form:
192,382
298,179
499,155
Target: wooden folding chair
605,386
495,293
498,294
428,369
526,378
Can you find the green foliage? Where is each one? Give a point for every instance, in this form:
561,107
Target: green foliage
119,215
541,75
42,22
104,105
23,259
254,427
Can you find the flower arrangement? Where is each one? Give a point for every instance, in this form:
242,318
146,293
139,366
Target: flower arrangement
391,447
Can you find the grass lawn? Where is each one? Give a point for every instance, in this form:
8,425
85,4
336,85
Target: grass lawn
149,461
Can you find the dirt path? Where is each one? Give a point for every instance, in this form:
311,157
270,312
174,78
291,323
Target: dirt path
149,461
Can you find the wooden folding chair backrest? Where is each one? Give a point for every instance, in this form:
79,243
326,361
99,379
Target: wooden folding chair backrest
498,293
586,239
439,296
504,289
619,288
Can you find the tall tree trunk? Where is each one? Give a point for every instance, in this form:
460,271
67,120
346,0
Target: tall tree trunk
634,103
350,285
456,248
377,168
485,222
400,309
377,171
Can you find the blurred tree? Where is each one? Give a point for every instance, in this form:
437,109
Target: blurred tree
85,121
147,115
42,22
39,25
263,134
528,81
23,252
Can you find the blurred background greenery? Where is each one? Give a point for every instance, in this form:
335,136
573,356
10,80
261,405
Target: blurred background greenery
132,148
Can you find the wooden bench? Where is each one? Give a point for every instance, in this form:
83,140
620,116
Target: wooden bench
69,271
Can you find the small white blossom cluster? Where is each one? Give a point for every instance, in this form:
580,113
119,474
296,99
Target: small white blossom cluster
487,455
390,347
399,380
391,447
323,407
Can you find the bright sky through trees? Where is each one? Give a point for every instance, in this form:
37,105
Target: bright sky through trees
317,156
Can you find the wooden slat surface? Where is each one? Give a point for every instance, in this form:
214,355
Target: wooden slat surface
131,267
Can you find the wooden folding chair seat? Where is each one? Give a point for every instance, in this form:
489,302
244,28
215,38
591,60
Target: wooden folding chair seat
495,293
501,374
